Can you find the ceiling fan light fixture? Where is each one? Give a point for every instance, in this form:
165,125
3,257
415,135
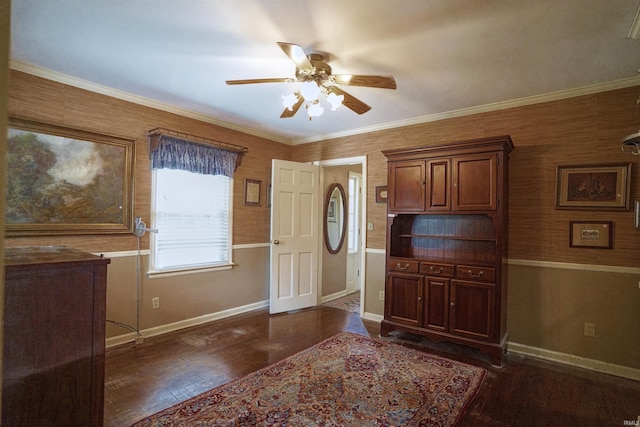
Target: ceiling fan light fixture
314,109
313,77
310,91
289,101
335,100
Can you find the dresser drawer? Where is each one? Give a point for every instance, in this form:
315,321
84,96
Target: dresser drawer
433,269
486,274
406,266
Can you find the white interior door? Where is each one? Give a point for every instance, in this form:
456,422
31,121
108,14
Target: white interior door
295,219
354,253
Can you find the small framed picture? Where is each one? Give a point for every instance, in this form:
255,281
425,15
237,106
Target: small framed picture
590,234
381,194
252,192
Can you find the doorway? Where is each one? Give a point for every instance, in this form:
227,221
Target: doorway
343,274
354,243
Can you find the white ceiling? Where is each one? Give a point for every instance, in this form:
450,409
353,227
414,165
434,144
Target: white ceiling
447,56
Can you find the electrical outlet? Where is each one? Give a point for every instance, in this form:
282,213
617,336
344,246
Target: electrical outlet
381,295
369,226
589,329
155,302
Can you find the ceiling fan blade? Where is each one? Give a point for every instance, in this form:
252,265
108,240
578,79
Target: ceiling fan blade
252,81
297,55
384,82
294,109
350,101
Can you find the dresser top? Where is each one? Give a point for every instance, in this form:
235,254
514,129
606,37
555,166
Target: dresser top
46,255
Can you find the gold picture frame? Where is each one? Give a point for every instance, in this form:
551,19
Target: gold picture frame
593,187
64,181
252,190
591,234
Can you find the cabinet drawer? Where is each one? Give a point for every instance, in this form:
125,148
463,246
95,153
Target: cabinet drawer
486,274
432,269
407,266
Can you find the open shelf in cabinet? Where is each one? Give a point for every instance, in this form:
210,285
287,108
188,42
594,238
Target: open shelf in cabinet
446,238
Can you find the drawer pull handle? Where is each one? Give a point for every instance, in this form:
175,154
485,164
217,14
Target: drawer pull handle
475,276
406,267
435,271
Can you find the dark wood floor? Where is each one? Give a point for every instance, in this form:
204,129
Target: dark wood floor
165,370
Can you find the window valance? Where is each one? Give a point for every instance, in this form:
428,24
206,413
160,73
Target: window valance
176,150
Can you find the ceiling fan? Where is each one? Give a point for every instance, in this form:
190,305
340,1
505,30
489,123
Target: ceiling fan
315,75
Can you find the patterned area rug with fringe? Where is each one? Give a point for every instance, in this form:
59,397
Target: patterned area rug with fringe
346,380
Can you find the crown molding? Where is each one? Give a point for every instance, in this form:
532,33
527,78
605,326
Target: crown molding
496,106
140,100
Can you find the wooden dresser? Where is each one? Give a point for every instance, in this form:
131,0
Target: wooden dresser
446,275
54,337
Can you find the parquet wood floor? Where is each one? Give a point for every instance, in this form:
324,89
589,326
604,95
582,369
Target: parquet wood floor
165,370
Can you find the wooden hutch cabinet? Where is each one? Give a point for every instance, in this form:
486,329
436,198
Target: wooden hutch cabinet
446,274
54,337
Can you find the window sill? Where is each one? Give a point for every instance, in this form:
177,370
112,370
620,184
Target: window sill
187,271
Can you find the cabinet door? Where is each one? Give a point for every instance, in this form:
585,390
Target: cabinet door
438,185
404,298
436,310
473,311
406,190
475,182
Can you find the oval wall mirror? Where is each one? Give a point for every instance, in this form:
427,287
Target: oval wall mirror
335,218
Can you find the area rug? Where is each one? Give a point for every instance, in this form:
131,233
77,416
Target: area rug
346,380
349,303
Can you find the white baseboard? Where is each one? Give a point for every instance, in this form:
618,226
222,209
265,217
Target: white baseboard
170,327
578,361
331,297
555,356
374,317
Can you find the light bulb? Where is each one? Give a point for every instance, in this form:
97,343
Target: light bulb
335,100
289,101
310,91
314,109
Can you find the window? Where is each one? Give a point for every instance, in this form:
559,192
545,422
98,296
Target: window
192,213
192,201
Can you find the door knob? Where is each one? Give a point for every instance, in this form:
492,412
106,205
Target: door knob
276,242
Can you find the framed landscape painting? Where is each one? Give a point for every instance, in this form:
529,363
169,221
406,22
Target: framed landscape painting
67,181
593,187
